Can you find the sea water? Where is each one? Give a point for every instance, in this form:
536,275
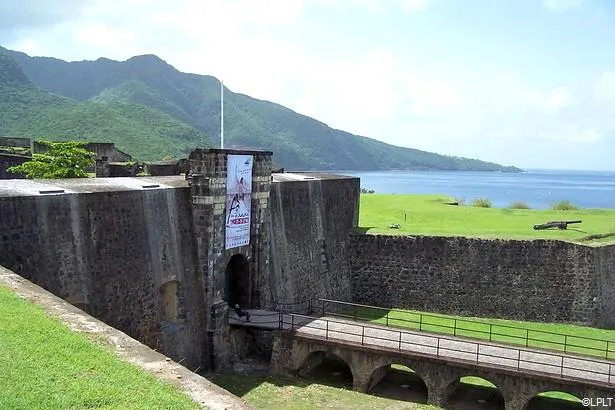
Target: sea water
539,189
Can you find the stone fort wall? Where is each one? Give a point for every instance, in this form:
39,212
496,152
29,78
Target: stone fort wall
537,280
126,257
311,221
146,255
10,160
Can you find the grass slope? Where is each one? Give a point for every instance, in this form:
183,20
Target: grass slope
430,215
47,366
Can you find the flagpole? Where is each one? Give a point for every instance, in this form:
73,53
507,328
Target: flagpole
221,114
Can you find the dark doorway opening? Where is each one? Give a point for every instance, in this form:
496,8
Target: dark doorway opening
237,281
401,383
476,393
326,369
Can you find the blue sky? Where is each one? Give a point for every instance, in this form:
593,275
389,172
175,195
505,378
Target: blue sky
525,82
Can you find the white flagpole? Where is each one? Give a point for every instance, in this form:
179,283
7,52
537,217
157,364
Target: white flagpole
221,114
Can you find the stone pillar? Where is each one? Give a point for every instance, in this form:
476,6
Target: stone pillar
207,178
102,167
282,356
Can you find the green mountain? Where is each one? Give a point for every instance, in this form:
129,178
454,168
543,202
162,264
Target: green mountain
150,109
149,133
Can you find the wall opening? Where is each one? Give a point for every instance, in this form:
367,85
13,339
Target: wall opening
555,400
170,300
327,369
474,392
237,281
398,382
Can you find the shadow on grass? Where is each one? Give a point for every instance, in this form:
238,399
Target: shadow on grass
401,384
241,384
331,372
475,397
597,236
362,230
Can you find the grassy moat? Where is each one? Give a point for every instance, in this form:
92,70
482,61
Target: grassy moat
433,215
44,365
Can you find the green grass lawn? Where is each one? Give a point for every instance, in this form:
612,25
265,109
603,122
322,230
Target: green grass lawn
274,393
430,215
599,343
47,366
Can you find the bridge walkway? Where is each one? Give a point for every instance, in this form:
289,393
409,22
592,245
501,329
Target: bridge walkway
455,349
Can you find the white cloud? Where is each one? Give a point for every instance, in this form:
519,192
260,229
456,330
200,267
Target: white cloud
414,5
560,6
381,92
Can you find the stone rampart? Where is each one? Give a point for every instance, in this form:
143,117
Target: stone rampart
10,160
311,221
539,280
122,252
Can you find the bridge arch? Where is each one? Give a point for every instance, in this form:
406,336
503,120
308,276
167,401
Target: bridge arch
327,366
476,388
554,399
237,281
398,381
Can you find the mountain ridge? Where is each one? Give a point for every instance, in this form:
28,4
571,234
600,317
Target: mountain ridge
298,141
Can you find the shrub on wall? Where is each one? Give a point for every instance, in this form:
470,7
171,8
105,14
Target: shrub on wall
519,205
61,160
564,206
481,203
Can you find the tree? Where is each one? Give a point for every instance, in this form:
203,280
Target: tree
61,160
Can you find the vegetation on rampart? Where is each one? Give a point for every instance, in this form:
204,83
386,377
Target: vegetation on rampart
61,160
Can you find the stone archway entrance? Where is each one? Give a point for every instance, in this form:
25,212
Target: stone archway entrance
237,281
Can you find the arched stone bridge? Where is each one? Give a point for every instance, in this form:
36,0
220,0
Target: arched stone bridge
303,343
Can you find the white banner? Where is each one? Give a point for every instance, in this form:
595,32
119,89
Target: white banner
238,200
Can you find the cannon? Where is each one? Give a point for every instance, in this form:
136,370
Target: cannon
556,224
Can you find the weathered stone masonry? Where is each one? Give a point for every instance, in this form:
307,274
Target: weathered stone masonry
551,281
311,220
293,355
208,189
10,160
125,256
146,255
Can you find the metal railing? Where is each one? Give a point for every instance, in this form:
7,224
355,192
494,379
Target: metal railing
467,328
303,307
517,359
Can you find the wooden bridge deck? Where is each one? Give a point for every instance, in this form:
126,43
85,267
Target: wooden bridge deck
494,355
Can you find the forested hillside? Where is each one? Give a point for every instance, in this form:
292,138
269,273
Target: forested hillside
151,110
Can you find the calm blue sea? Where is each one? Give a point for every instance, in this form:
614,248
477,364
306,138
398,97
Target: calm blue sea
537,188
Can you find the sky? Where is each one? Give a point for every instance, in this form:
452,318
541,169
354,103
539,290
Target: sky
529,83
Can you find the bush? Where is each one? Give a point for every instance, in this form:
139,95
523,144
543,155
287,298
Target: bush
67,159
564,206
519,205
367,191
481,203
